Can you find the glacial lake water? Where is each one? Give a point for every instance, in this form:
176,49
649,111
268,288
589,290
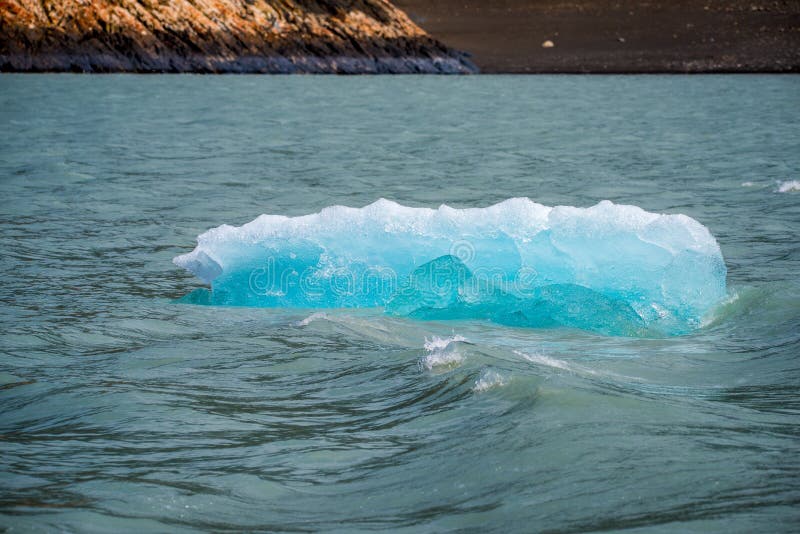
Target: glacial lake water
121,410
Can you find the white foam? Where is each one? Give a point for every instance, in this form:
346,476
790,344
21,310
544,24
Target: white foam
547,361
442,352
789,186
489,379
574,368
311,318
439,343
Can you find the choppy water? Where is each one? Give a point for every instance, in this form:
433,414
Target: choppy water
122,410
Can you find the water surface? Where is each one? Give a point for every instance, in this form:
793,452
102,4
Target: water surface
122,410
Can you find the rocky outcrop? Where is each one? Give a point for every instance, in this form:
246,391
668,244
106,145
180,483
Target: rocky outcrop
219,36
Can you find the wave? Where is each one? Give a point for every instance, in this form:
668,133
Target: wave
790,186
489,379
610,268
311,318
442,353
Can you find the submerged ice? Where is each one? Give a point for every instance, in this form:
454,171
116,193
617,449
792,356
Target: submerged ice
609,268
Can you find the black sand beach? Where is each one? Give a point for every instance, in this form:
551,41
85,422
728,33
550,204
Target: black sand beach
617,36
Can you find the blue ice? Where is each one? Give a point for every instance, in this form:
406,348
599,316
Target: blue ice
609,268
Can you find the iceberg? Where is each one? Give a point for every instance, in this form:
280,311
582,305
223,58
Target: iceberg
612,269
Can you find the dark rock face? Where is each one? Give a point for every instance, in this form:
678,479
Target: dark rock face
219,36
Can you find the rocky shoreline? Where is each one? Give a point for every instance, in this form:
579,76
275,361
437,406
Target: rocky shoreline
219,36
382,37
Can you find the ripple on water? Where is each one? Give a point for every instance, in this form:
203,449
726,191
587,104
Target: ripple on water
123,411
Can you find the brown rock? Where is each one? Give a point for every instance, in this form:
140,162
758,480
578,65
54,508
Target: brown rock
219,36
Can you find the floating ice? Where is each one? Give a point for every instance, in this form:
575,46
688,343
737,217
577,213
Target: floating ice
609,268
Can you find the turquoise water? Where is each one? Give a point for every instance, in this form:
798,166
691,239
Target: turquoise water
121,410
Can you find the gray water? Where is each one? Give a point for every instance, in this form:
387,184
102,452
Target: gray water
122,410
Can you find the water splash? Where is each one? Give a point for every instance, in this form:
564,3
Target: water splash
311,318
790,186
443,353
489,379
